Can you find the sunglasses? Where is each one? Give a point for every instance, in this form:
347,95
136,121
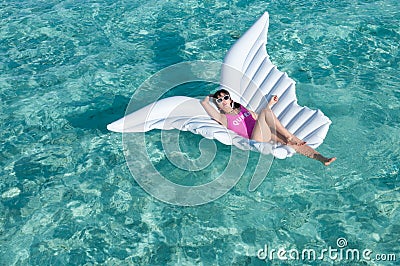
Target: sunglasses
226,97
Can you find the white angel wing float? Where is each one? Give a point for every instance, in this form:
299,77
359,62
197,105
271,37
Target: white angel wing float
252,79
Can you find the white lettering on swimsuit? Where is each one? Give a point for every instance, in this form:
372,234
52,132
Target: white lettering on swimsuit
240,118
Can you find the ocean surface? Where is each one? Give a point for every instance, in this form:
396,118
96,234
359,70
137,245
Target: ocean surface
67,196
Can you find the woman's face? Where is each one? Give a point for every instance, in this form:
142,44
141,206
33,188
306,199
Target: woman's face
223,102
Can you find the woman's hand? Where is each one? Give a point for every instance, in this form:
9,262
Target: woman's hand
207,98
217,116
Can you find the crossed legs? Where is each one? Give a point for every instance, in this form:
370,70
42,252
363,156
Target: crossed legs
268,128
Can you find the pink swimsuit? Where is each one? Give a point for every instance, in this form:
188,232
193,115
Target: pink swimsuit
242,123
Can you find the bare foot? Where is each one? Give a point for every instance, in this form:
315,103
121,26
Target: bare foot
293,140
273,101
330,160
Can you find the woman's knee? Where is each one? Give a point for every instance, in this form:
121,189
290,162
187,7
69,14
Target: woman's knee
266,110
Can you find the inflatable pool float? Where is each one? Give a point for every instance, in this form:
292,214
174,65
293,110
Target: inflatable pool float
252,79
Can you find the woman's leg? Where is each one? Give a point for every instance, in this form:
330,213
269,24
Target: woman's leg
261,130
280,134
268,127
313,154
277,128
264,129
262,133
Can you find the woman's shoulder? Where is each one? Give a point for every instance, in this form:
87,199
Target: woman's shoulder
243,108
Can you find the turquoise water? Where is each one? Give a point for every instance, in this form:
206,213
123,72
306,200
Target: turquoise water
68,68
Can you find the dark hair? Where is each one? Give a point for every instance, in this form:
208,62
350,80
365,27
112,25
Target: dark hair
219,92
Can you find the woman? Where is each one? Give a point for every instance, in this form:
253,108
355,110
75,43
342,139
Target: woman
262,127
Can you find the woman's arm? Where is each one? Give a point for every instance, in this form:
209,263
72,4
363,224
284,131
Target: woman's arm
220,118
